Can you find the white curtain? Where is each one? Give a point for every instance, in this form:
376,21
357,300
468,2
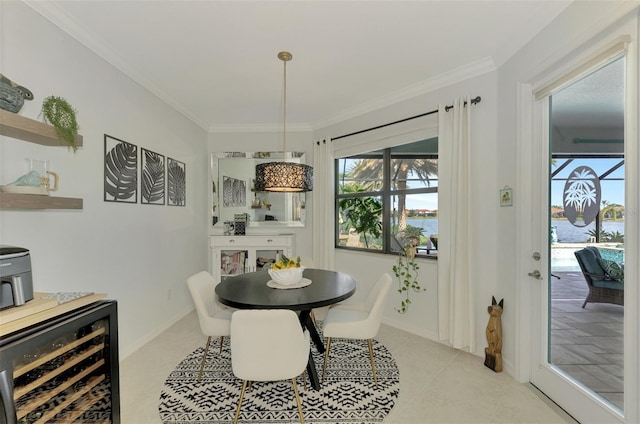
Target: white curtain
456,318
323,201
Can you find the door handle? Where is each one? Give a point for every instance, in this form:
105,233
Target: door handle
535,274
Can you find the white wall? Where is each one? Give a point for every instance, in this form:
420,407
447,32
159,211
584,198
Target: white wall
140,255
421,318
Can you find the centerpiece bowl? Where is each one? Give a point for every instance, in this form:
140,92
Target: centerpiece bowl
287,276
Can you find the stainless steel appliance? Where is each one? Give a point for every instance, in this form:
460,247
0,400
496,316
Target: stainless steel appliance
15,270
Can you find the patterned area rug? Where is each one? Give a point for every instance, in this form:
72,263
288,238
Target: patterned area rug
348,394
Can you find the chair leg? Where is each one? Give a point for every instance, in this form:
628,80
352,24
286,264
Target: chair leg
373,365
204,358
304,379
221,342
244,387
326,356
295,390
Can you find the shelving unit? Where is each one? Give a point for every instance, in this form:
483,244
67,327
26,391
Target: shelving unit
32,131
234,255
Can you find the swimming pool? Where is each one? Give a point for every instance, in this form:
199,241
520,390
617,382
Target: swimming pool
563,259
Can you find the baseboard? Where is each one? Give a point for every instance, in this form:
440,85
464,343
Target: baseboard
431,335
124,353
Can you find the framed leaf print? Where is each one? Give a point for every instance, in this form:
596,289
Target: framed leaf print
234,192
120,171
153,178
176,183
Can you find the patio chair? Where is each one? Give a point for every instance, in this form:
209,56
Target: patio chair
602,288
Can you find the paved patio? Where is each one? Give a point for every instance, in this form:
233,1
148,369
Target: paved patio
587,344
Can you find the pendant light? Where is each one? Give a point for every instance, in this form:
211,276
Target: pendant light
285,177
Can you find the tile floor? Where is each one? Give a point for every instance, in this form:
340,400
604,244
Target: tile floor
437,384
587,344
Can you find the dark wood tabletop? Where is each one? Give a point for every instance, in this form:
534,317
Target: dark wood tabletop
250,291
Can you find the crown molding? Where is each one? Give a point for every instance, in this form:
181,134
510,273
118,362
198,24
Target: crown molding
442,80
51,12
257,128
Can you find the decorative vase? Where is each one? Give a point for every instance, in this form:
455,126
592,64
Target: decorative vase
11,98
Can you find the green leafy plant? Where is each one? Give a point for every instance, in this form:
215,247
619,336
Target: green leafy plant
59,113
610,237
362,214
406,271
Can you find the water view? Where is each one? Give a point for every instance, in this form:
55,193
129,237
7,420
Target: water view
430,225
567,233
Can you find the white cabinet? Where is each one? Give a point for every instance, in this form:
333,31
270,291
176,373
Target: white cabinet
233,255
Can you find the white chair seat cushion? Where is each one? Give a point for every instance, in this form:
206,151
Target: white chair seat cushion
348,324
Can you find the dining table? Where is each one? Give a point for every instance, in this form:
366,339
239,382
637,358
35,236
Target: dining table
320,287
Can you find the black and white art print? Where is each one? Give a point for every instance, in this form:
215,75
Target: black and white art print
153,178
120,171
234,192
176,183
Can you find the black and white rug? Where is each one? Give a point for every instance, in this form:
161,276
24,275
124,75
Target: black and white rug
348,394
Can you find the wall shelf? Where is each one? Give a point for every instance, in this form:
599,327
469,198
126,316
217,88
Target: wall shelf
22,128
35,201
32,131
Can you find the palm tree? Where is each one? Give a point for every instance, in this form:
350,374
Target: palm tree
369,174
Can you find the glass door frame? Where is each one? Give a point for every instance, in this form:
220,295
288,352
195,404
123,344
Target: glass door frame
531,294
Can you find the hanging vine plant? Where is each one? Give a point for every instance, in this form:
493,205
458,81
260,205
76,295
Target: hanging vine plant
406,271
62,116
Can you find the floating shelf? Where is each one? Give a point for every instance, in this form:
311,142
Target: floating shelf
35,201
26,129
22,128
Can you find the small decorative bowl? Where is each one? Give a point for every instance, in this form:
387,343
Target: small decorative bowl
286,277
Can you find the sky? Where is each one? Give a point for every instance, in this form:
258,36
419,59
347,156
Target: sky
612,191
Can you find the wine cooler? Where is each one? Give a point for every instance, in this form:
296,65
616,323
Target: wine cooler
64,370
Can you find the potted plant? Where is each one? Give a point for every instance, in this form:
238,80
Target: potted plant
406,271
413,234
58,112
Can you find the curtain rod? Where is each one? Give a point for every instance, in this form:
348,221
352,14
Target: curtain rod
446,108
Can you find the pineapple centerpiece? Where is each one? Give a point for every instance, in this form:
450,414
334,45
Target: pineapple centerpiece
286,271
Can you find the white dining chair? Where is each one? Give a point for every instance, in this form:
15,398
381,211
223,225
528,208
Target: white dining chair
268,345
215,319
359,321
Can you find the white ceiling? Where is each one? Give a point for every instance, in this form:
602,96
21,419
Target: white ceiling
216,61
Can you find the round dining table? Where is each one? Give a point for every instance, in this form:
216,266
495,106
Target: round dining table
252,291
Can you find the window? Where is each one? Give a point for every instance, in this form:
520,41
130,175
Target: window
387,198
